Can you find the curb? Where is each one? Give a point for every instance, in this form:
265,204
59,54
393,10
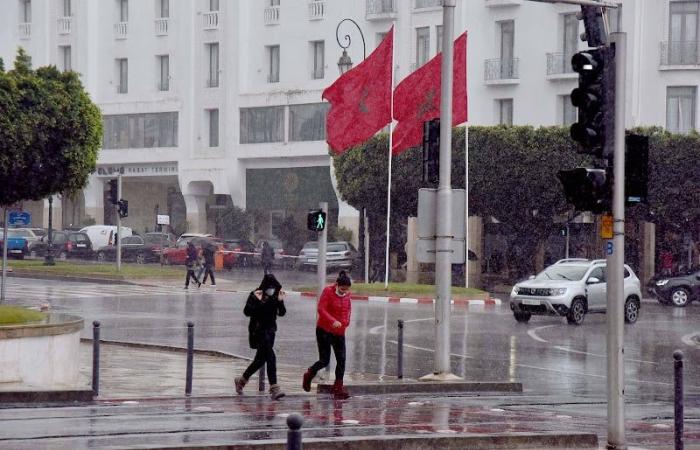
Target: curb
421,387
42,276
69,395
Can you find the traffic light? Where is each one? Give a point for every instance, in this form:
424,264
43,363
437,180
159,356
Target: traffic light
595,99
587,189
636,169
113,191
123,208
431,151
316,220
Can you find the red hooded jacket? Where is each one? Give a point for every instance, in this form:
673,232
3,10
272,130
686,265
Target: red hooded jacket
332,307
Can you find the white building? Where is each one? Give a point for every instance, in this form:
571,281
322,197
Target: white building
204,100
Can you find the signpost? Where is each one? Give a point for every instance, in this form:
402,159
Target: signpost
19,218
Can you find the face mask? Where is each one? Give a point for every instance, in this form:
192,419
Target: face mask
340,294
269,292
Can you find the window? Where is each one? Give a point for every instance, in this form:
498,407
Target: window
163,9
25,11
213,57
123,10
422,45
569,113
140,130
213,5
123,75
264,124
615,18
505,111
507,33
273,63
570,37
428,3
213,119
163,72
65,55
308,122
598,273
274,2
683,32
317,48
680,108
438,39
67,10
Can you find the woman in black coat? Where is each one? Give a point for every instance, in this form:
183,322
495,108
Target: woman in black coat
263,306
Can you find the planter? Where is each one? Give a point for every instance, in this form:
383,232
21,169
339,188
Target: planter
41,355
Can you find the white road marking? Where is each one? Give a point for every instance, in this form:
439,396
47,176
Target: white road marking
533,333
571,350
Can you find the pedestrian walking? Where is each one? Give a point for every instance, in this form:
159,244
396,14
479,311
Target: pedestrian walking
267,255
208,251
190,262
263,306
200,262
333,319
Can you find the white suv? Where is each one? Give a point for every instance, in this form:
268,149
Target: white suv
572,288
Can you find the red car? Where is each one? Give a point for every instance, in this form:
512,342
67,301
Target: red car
178,253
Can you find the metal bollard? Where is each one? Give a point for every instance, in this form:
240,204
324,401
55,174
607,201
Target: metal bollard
294,422
190,357
399,352
261,379
678,399
96,358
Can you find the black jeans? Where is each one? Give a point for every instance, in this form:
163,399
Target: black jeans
208,272
325,341
190,274
265,354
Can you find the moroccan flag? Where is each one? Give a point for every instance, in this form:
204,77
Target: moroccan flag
361,99
417,98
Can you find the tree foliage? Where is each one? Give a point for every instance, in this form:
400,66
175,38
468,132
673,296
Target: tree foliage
50,132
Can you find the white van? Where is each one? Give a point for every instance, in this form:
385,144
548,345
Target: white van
104,235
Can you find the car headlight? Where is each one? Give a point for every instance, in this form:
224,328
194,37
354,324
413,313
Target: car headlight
661,282
515,291
558,291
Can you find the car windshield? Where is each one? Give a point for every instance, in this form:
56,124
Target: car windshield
156,239
312,244
562,272
336,248
40,232
19,233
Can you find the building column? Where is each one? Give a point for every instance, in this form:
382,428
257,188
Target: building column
411,256
648,257
196,213
94,199
476,244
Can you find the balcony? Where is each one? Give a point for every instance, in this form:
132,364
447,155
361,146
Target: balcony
317,9
501,71
498,3
210,20
64,25
424,4
121,30
680,53
381,9
25,30
161,26
559,65
272,15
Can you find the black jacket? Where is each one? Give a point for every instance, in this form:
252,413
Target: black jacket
208,253
263,313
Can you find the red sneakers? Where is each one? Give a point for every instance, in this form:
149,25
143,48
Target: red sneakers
339,392
306,383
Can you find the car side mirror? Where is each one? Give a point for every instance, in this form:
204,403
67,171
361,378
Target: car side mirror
531,277
593,280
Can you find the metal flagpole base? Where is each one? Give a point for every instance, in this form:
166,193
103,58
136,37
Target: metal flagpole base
443,376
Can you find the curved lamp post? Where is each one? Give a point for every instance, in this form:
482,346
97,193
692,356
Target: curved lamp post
345,63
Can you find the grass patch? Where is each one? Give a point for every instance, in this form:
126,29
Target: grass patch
129,271
402,290
13,315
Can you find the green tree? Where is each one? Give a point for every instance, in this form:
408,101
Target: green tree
50,132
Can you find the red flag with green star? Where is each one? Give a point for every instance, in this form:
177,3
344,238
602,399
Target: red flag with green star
361,99
417,98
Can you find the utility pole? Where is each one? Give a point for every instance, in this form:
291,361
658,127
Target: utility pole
615,261
321,261
119,224
4,253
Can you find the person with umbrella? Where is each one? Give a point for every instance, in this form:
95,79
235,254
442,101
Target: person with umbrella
190,262
208,250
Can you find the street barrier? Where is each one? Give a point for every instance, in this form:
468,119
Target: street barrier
294,423
261,379
399,352
95,358
190,357
678,399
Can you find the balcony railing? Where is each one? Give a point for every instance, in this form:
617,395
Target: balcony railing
121,30
381,9
25,30
317,9
680,53
64,25
501,69
272,15
211,20
559,63
161,26
420,4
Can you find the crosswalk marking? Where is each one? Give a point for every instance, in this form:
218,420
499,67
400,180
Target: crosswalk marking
24,289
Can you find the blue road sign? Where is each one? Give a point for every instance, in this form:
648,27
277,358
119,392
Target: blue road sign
18,218
609,248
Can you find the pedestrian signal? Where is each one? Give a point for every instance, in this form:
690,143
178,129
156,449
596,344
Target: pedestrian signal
316,220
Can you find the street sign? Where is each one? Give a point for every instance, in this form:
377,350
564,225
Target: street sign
162,219
425,251
609,248
427,207
19,218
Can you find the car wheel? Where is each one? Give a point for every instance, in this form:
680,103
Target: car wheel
631,310
140,258
522,317
62,256
101,257
679,297
577,312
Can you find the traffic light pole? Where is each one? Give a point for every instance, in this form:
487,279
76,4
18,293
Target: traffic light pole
615,262
321,261
119,224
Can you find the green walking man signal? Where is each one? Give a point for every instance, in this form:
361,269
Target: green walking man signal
316,220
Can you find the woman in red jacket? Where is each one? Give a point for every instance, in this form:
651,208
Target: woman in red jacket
333,319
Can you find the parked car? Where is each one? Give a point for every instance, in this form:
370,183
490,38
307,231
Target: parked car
17,244
178,253
572,288
241,245
134,248
276,246
338,255
66,244
677,290
104,235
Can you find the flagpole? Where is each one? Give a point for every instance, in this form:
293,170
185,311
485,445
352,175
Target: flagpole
466,208
388,190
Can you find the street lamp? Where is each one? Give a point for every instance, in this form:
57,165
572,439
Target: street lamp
345,63
48,259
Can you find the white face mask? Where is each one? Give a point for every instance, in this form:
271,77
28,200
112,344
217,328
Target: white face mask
270,292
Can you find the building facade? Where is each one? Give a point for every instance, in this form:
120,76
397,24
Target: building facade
213,103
